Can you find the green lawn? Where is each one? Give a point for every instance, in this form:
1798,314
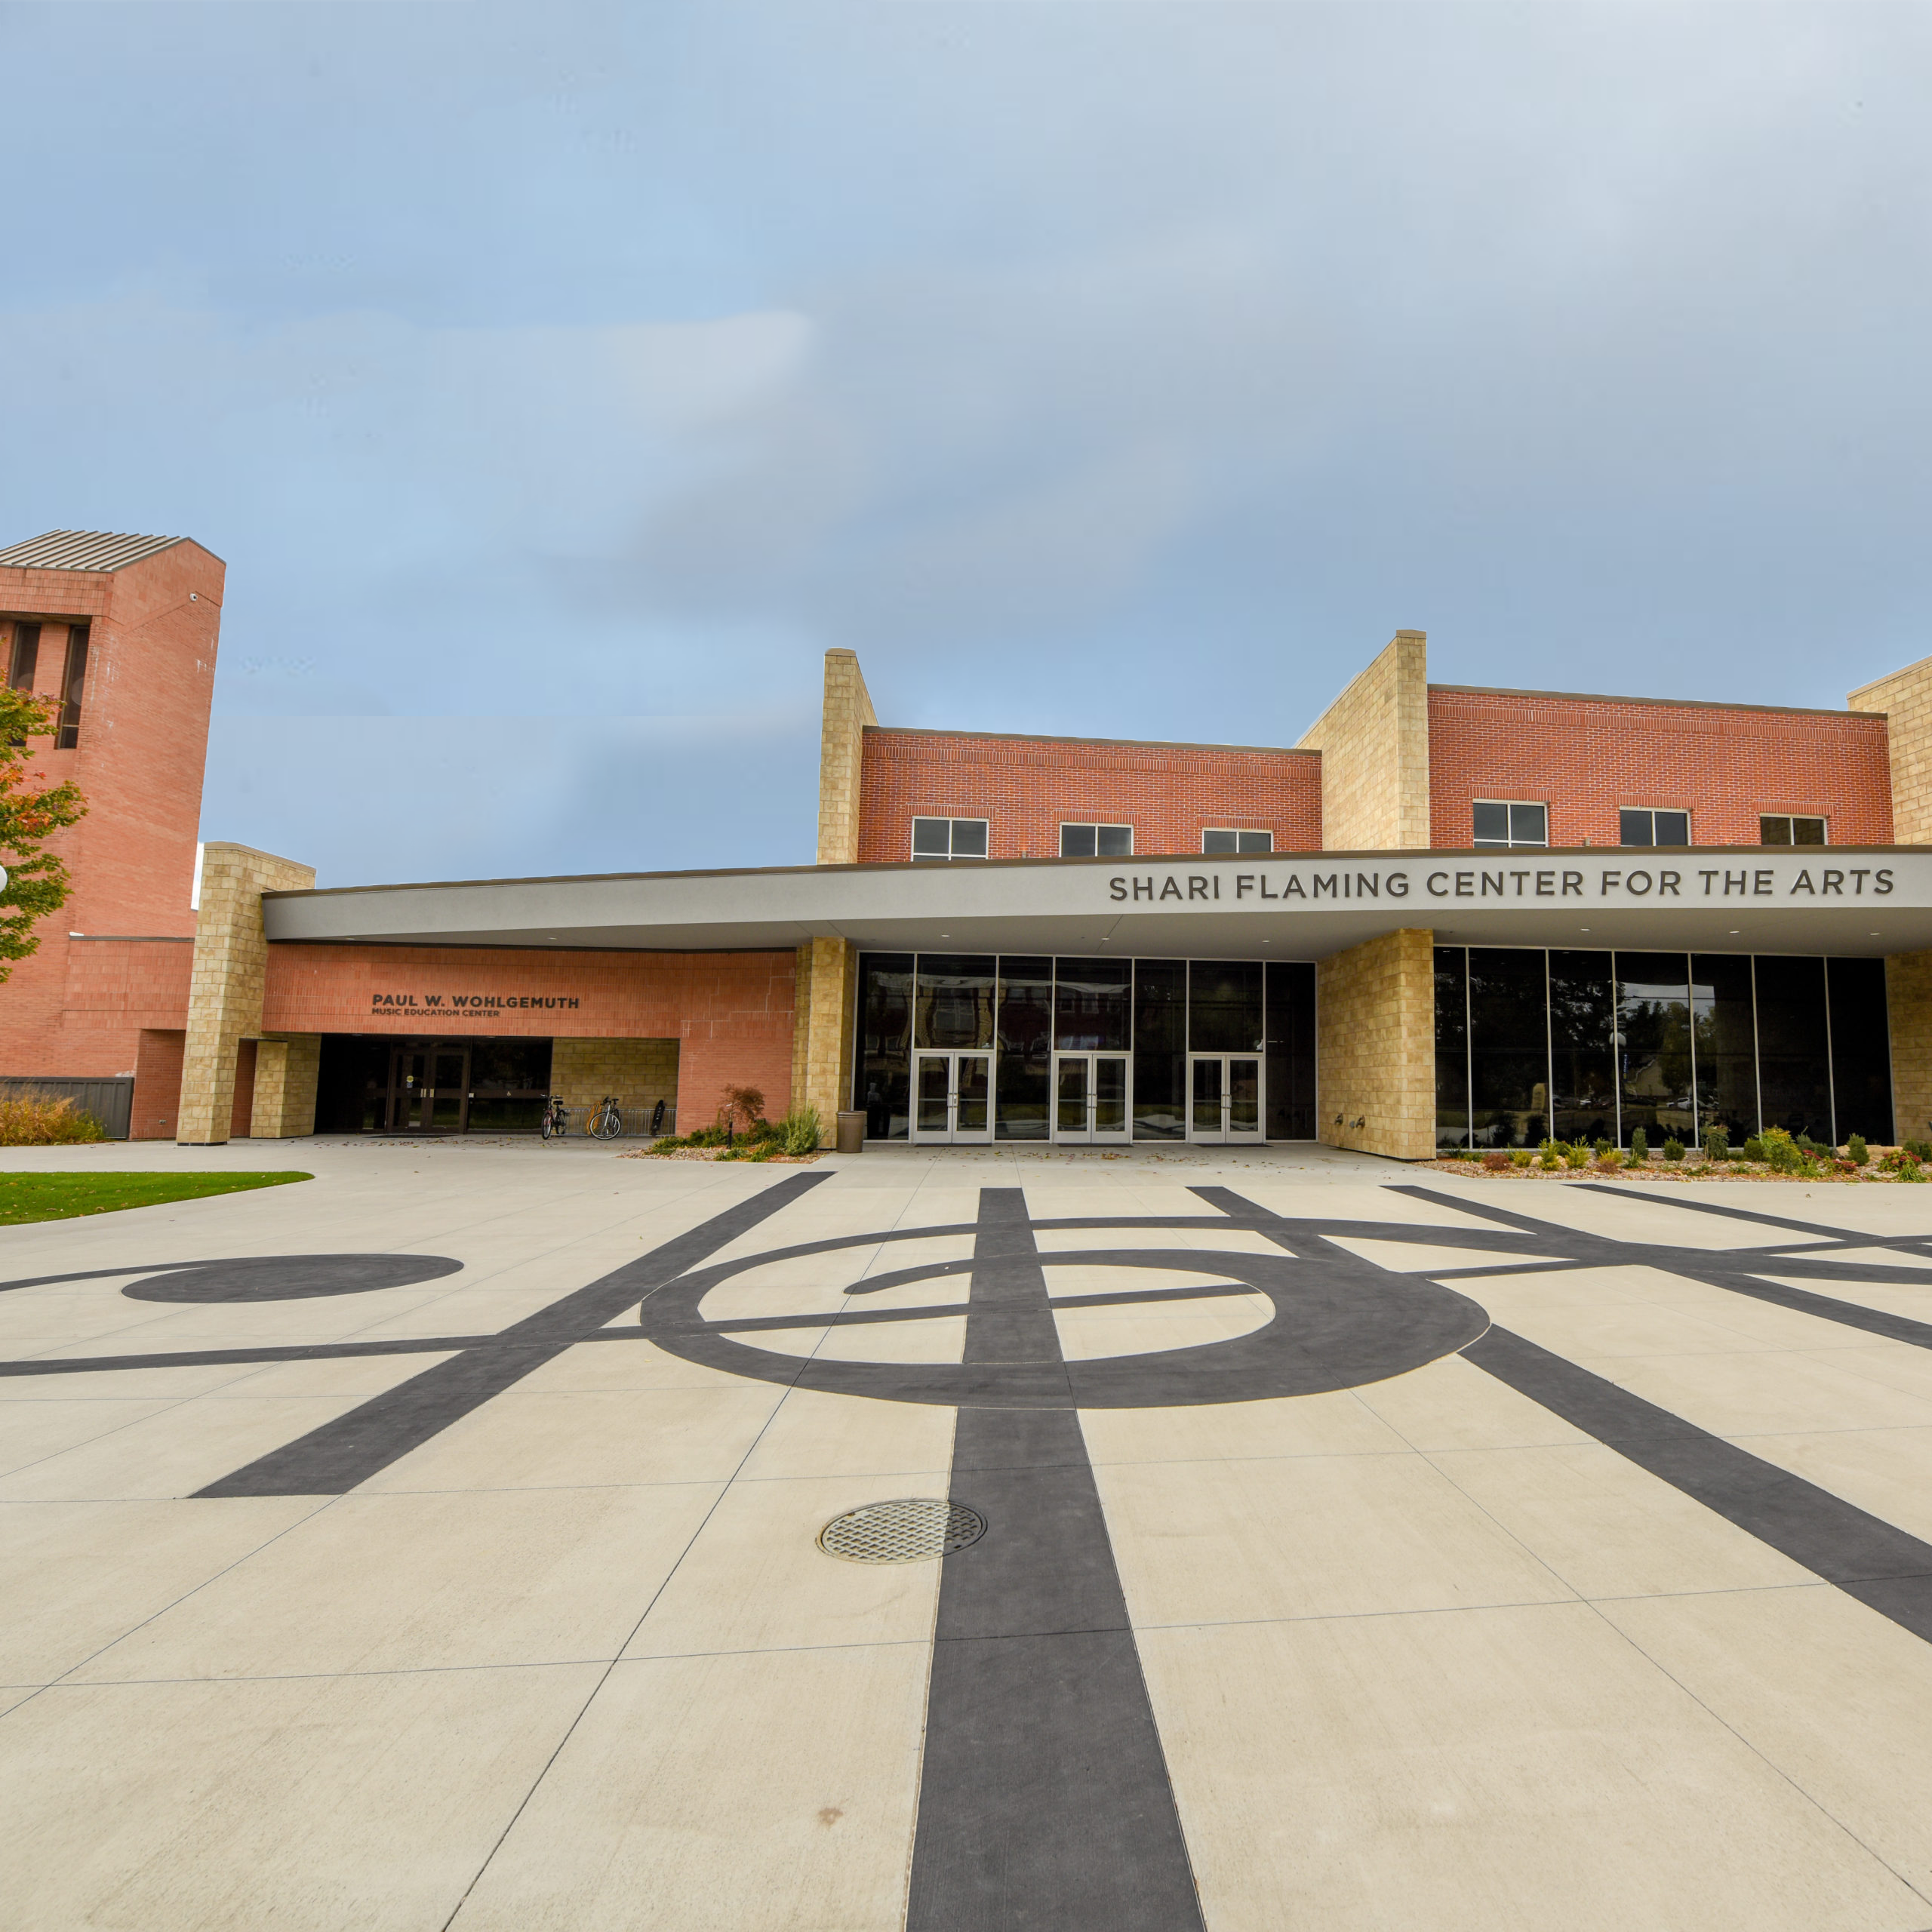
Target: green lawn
60,1197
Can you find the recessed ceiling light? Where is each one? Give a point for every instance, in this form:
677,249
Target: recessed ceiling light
1733,932
1873,935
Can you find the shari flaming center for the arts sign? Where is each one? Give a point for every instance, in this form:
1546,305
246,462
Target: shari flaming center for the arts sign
467,1006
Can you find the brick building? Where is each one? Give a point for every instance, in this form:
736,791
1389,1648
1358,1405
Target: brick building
1443,915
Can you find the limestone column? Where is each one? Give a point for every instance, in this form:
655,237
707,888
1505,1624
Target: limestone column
287,1071
1375,1046
826,1006
847,711
1908,1016
1374,741
230,971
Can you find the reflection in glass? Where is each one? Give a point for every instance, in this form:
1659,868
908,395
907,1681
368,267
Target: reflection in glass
1244,1095
1726,1039
1582,1061
935,1086
1160,1049
974,1094
882,1073
1070,1098
1653,1047
1508,1047
1862,1052
1452,1047
1025,1035
1224,1006
954,1006
1794,1083
1291,1051
1110,1093
1091,1004
1207,1096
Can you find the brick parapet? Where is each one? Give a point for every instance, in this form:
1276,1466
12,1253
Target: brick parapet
1587,757
1027,787
1375,1045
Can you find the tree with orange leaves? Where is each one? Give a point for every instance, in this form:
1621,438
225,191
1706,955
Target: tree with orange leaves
37,881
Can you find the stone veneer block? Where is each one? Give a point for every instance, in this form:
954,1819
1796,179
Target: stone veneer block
1374,741
1375,1046
225,990
287,1072
847,711
1905,697
1908,1012
827,996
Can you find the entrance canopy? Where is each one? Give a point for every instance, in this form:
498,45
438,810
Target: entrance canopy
1848,900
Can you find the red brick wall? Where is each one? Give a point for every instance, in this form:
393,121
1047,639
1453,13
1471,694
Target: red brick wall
1587,757
730,1012
157,1085
1026,787
144,741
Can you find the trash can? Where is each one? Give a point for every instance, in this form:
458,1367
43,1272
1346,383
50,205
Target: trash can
852,1132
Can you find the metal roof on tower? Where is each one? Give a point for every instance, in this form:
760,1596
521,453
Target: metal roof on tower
82,550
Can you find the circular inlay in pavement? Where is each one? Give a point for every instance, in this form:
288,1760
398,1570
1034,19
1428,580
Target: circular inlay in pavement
909,1529
290,1277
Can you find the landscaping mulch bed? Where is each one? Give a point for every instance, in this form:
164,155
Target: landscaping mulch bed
737,1156
1679,1171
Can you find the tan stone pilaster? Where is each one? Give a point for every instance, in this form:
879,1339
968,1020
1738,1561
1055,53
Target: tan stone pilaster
1374,741
225,991
847,711
1909,1017
1375,1046
288,1069
828,1007
1905,698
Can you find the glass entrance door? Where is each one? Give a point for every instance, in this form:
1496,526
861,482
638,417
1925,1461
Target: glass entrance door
1224,1098
428,1089
1090,1097
952,1096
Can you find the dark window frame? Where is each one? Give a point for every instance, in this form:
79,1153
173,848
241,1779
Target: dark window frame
1510,842
952,851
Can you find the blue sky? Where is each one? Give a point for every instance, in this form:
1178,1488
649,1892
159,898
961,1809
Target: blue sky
559,382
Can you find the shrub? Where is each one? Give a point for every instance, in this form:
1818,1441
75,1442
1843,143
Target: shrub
1898,1159
741,1105
1717,1144
799,1130
1497,1162
1610,1160
1552,1154
1578,1156
1856,1151
1673,1149
1753,1149
1640,1148
1923,1148
1602,1149
43,1119
1521,1157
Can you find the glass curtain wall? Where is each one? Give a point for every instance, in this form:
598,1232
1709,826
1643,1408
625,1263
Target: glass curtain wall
1593,1046
1157,1011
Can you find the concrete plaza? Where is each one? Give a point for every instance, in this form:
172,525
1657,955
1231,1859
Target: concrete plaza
434,1544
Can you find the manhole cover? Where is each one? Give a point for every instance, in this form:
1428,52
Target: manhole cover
909,1529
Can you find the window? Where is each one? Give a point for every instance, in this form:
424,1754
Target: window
1237,841
1642,826
1500,824
26,656
948,838
1092,841
72,684
1778,830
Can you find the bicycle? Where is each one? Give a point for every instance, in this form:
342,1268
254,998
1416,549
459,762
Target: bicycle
607,1122
555,1118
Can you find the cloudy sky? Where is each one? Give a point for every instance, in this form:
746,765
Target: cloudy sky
559,382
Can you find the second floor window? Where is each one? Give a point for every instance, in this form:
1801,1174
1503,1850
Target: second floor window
1222,840
1776,829
948,838
1641,825
25,657
73,683
1097,841
1500,823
